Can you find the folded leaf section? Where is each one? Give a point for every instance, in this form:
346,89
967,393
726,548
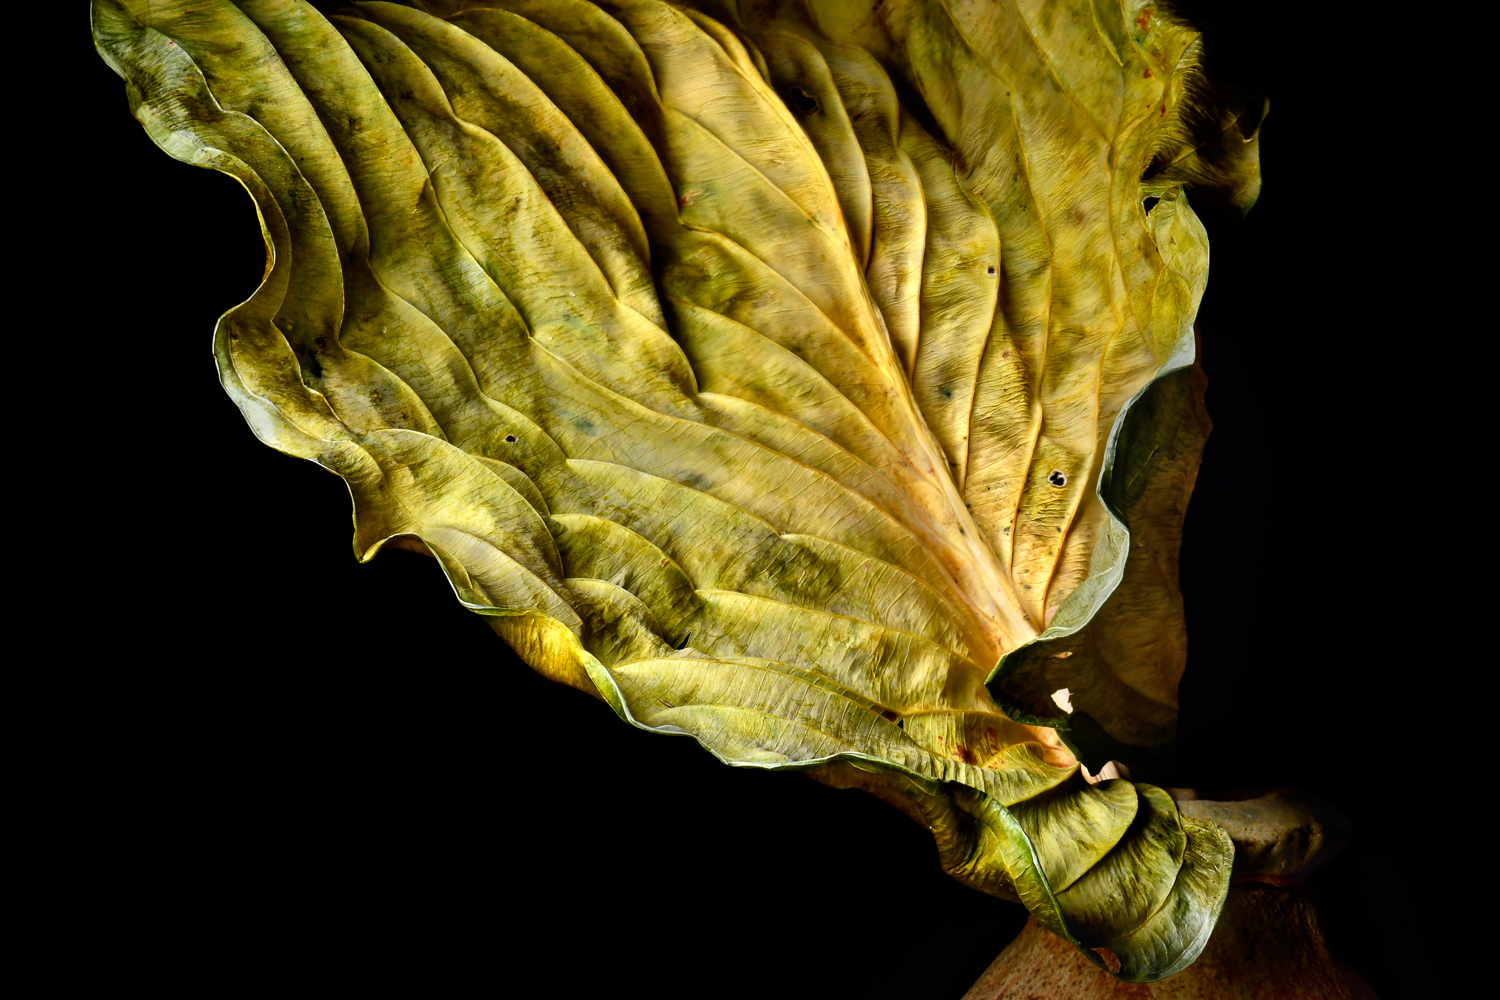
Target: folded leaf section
1122,669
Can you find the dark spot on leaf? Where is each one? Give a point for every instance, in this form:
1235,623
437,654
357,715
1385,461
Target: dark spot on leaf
510,439
1150,203
802,102
792,567
990,269
1056,478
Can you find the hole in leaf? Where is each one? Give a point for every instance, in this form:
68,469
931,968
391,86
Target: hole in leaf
1111,961
1063,699
1057,478
1150,203
802,102
990,269
510,439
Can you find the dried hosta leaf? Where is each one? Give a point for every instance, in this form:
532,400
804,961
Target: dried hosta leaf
766,370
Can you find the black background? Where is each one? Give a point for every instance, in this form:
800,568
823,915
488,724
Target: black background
296,766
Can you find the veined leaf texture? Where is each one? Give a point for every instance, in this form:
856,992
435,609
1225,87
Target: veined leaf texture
815,379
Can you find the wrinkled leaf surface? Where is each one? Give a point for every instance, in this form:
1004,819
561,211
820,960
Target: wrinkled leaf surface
772,373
